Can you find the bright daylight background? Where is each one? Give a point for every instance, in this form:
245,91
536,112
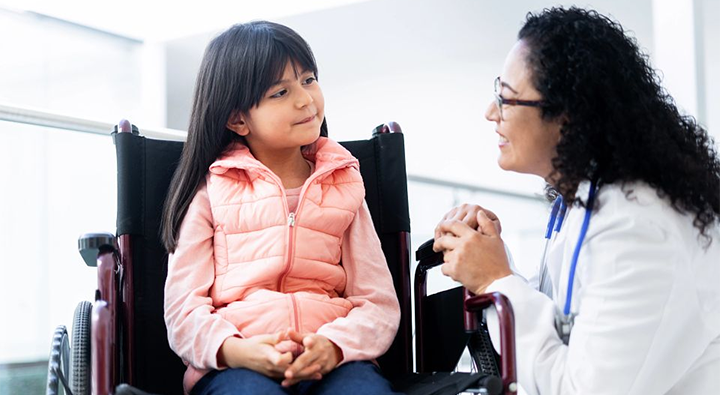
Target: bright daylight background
428,65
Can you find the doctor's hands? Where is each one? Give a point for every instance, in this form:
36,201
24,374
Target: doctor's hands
473,257
256,353
467,214
319,357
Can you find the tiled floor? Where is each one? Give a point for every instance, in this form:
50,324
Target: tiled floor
23,379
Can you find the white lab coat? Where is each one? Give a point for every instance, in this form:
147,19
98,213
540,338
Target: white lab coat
647,299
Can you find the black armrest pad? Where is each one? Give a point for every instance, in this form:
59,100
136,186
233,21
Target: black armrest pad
426,257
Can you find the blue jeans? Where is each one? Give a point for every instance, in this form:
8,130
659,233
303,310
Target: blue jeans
351,378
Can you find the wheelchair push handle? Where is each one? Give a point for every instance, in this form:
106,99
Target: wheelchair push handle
124,126
390,127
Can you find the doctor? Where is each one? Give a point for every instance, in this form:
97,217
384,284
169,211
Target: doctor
633,272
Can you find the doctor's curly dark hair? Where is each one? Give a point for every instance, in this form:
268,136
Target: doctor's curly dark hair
619,124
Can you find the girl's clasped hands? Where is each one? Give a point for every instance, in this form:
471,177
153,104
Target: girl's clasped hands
318,356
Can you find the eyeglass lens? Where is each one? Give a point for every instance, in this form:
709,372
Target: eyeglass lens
498,100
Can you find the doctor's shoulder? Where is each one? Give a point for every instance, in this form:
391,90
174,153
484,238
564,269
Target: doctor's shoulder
631,207
640,204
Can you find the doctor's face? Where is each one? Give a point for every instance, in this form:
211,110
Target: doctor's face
526,141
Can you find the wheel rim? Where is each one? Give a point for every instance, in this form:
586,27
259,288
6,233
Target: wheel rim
59,361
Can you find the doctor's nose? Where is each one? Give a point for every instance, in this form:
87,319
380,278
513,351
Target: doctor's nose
492,113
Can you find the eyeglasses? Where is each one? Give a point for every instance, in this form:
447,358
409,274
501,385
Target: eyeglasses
499,100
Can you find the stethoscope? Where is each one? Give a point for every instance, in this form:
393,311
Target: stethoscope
565,319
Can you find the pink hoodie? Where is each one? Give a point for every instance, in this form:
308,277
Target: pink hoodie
246,266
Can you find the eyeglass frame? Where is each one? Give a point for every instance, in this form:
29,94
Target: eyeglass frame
499,100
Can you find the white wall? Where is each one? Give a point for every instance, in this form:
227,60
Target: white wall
56,185
59,67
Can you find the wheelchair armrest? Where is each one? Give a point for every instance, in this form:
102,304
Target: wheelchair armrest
506,319
91,245
427,259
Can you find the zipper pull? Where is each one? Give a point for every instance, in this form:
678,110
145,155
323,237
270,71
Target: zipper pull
291,220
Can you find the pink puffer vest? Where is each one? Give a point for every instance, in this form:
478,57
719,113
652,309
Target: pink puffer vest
274,269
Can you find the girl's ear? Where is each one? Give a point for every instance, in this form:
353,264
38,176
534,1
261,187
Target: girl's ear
237,124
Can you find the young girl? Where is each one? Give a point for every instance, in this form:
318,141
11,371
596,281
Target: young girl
276,281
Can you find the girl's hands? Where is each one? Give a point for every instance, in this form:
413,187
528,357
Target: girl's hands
467,214
256,353
319,357
475,258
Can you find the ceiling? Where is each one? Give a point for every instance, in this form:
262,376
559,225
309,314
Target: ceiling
163,20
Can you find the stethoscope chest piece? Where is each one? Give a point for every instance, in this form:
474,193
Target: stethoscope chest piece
564,324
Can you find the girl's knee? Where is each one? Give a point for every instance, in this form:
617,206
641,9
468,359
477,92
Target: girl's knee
351,376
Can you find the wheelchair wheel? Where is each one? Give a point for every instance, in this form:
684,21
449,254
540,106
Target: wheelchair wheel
80,350
59,362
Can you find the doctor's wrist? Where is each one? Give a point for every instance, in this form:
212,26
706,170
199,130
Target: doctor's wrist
482,288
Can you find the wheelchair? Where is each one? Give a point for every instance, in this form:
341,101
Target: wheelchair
118,344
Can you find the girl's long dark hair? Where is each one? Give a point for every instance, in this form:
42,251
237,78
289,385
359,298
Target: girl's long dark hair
238,68
621,125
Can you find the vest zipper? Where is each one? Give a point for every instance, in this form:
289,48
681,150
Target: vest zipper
291,220
288,266
291,237
290,251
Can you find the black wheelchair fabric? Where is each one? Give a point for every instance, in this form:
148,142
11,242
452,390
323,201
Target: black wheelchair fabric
444,334
382,164
145,168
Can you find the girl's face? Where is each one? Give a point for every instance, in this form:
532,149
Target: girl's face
527,141
288,116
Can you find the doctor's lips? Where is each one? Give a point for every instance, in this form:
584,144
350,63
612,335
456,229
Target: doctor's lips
502,140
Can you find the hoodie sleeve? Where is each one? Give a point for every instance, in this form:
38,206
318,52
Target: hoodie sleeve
369,329
195,332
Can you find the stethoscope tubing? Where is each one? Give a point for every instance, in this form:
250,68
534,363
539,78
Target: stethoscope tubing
576,253
557,216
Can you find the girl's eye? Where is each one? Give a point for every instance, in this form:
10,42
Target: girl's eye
310,80
279,94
